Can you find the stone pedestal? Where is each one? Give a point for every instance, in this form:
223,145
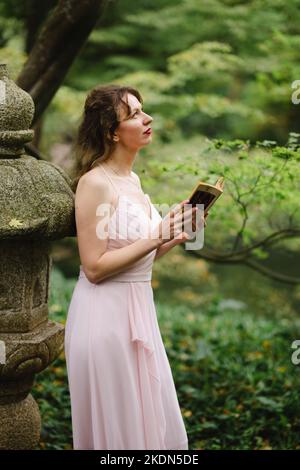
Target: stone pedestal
37,206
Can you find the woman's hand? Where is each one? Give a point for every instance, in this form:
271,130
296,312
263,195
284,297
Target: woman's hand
184,236
171,226
202,219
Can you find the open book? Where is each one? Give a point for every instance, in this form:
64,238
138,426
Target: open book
207,194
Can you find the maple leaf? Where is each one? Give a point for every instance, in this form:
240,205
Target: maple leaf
15,223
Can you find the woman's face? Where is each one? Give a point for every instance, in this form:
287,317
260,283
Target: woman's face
131,130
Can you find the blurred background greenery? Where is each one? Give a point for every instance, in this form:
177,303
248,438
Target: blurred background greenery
216,76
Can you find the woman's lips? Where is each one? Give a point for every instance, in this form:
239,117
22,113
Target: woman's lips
149,131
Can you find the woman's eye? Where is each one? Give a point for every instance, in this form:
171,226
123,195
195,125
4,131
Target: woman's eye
136,112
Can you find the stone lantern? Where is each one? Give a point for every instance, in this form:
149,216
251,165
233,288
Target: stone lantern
37,206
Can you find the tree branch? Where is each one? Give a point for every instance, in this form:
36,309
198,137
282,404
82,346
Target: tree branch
244,256
57,45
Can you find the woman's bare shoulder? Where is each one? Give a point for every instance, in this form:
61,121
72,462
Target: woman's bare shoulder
93,184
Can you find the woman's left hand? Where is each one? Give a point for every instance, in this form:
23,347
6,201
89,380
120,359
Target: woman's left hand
184,236
203,219
206,215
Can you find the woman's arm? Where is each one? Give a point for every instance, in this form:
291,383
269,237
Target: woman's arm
163,249
166,247
92,233
115,261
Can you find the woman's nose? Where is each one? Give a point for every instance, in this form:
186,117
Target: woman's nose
148,118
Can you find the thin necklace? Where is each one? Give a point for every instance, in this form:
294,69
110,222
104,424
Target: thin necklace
122,175
134,185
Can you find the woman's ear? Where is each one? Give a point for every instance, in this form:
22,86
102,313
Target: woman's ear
111,138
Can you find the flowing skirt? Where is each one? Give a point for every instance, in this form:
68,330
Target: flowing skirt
122,391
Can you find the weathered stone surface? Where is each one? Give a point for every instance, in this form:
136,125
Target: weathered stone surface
24,284
38,200
37,206
30,353
22,424
16,114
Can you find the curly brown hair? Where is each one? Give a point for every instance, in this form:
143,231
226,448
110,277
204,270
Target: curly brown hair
101,118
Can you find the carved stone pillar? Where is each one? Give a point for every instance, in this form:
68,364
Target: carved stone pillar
37,206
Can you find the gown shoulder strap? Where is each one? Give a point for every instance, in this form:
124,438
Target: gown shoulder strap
113,184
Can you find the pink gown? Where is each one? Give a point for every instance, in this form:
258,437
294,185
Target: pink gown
122,392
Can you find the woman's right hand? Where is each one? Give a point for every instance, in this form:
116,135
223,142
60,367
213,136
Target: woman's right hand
171,226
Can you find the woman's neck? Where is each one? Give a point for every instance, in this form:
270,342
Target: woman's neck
121,160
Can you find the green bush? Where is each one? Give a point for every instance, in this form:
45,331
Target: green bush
235,381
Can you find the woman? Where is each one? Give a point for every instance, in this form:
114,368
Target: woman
121,386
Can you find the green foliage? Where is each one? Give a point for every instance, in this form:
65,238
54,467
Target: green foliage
224,69
11,20
220,68
237,385
262,183
235,382
13,56
235,62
